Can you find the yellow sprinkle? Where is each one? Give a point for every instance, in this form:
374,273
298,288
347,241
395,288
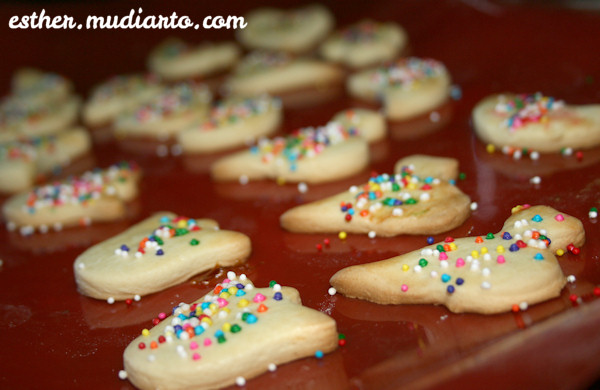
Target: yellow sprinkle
405,267
243,303
484,250
232,290
226,310
516,209
213,307
181,224
224,295
490,148
411,186
207,320
145,332
226,327
280,181
453,246
544,119
475,254
560,252
500,249
342,235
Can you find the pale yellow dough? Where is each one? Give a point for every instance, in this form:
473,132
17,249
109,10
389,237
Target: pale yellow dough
489,285
295,31
568,126
369,124
286,331
407,87
175,59
101,272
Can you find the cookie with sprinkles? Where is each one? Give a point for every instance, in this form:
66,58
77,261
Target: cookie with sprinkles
234,333
536,122
406,202
407,87
295,31
174,109
39,86
22,162
312,155
232,123
159,252
95,196
485,274
278,73
365,43
174,59
118,95
369,124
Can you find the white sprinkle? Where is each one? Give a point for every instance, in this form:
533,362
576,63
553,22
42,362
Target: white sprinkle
152,358
396,212
523,306
26,230
517,224
332,291
43,229
417,268
542,244
424,196
506,149
243,277
434,116
162,151
123,375
80,265
534,155
110,190
110,300
353,189
249,287
372,234
181,349
474,206
57,227
272,367
543,232
486,285
222,314
444,264
243,179
11,226
571,278
231,275
470,259
517,155
487,257
535,180
518,237
138,254
567,151
240,381
475,266
433,274
302,187
593,214
427,252
436,253
485,272
277,287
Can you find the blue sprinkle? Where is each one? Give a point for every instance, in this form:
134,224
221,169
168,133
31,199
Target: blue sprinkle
450,289
513,248
254,150
351,211
452,182
160,252
205,305
319,354
398,202
428,180
455,92
178,328
372,195
538,256
430,240
446,278
182,316
240,286
240,293
219,333
198,330
164,220
506,236
278,296
251,319
124,248
537,218
460,281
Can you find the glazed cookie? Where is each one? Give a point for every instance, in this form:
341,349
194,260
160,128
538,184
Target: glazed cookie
159,252
369,124
95,196
388,205
365,43
21,162
233,122
485,274
407,87
312,155
536,122
174,109
175,59
234,333
277,72
118,95
295,31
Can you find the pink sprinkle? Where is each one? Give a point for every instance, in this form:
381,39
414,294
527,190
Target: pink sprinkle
193,345
259,297
226,280
443,256
460,262
501,259
162,316
207,342
222,302
404,288
187,325
196,356
559,217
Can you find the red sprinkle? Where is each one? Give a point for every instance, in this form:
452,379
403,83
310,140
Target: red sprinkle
142,346
579,155
341,342
521,244
575,251
161,339
348,217
128,302
326,241
449,239
155,321
319,247
573,298
597,291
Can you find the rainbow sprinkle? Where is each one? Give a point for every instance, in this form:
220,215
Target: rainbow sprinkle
233,111
407,72
524,109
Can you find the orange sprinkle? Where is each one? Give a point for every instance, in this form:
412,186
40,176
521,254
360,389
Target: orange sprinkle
217,289
535,235
447,248
262,308
515,308
153,345
364,213
479,240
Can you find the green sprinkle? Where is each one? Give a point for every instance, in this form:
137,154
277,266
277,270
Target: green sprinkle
272,283
395,187
235,328
462,176
181,232
411,201
221,339
440,248
423,263
341,336
194,242
489,236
